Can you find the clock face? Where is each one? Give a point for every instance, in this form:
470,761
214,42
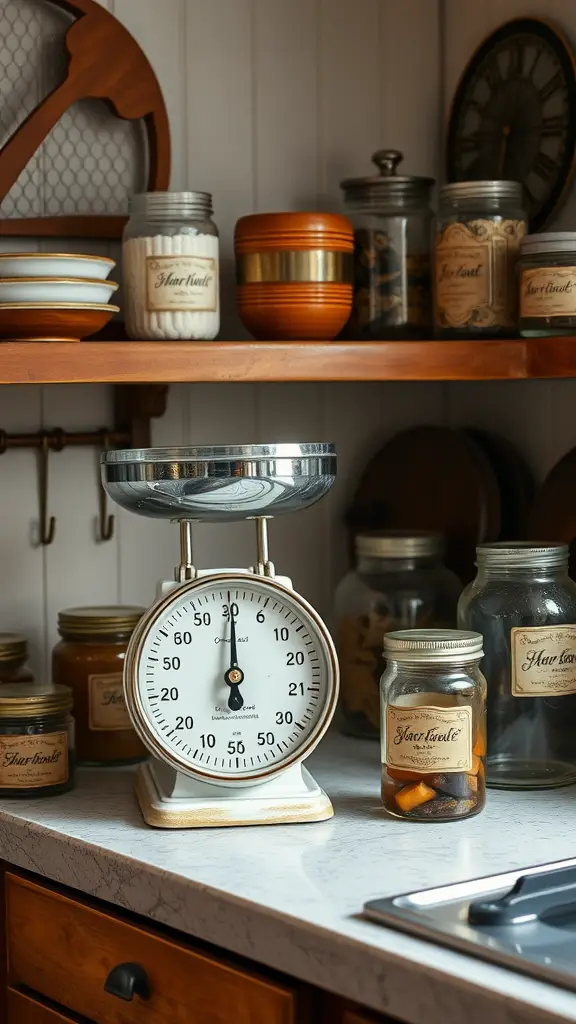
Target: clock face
514,115
231,678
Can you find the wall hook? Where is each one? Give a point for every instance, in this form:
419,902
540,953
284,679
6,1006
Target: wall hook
106,523
47,526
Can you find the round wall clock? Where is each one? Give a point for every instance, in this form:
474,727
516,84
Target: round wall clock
514,115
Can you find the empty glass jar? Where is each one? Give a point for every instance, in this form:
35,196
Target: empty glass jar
524,605
392,230
399,582
433,724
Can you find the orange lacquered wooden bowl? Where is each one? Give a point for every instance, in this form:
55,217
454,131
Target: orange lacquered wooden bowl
294,275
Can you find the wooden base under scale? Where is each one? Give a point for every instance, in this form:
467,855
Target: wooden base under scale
169,799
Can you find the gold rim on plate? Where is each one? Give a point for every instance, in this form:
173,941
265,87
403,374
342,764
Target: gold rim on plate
59,280
59,305
55,256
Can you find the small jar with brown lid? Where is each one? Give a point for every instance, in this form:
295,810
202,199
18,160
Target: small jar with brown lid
90,660
13,658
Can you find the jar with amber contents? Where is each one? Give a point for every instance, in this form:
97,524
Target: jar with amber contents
36,740
13,658
90,660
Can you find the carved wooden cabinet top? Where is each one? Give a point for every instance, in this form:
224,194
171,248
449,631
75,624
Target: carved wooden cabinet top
105,63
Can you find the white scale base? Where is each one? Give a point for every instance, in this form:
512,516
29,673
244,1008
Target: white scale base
169,799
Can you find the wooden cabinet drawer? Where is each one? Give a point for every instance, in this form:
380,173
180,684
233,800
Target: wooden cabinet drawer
23,1010
66,951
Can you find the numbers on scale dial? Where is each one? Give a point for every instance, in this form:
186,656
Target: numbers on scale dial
224,642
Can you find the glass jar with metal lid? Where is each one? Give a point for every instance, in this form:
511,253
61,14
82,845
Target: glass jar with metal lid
433,701
547,273
399,582
479,228
90,660
392,225
13,658
36,740
171,267
524,604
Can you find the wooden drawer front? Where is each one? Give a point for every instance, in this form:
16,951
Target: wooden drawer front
65,951
22,1010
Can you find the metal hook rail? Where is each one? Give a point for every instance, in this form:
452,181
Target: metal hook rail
134,405
57,440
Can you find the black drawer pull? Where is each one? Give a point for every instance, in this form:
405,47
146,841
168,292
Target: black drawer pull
127,981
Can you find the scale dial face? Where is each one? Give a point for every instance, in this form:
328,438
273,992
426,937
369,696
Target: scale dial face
231,678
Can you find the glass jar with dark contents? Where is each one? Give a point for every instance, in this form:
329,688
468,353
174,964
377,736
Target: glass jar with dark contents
90,660
13,658
433,725
524,604
547,273
400,582
36,740
392,240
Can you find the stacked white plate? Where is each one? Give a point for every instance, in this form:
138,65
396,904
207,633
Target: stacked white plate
51,289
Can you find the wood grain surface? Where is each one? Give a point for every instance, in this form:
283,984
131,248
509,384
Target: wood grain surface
95,226
169,362
65,950
24,1010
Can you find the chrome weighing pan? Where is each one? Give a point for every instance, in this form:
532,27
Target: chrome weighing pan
219,483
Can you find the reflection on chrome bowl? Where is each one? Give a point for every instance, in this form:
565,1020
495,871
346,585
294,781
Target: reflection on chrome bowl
219,483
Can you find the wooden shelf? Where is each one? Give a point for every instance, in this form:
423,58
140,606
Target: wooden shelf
168,362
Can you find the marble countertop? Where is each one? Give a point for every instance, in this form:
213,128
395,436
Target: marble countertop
290,897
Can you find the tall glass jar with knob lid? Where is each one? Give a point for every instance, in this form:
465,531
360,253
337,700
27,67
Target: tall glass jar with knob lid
399,582
392,224
524,604
479,228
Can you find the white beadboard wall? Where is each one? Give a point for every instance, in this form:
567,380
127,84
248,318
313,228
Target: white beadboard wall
271,103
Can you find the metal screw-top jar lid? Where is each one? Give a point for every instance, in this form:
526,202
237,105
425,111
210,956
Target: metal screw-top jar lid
548,242
13,647
388,184
99,621
433,646
482,190
398,544
29,700
522,554
168,205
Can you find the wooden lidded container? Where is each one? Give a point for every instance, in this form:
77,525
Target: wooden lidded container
294,273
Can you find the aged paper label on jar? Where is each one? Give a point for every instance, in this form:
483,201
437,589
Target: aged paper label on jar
179,284
548,291
106,705
543,661
474,273
429,739
33,762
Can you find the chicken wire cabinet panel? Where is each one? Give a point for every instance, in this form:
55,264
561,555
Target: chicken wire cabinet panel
91,161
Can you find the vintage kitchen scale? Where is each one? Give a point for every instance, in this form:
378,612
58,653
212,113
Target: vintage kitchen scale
231,678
